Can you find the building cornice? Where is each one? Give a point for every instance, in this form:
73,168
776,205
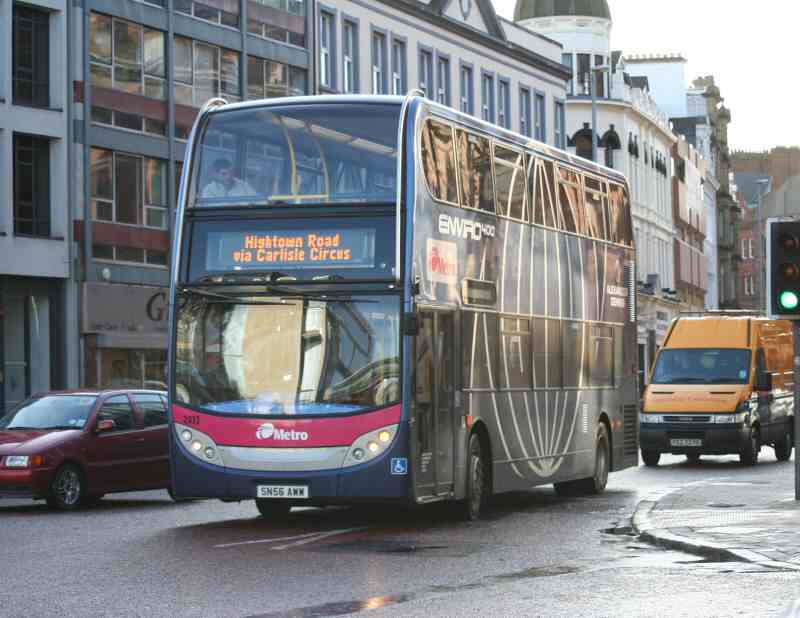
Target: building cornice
512,50
625,105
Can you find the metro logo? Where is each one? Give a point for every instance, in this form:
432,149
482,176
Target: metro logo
464,228
268,431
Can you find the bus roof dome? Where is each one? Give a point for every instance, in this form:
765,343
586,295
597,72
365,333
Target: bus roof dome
532,9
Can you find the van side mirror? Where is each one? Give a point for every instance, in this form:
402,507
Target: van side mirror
764,382
105,426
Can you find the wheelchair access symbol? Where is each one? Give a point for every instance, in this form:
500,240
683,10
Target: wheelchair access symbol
399,466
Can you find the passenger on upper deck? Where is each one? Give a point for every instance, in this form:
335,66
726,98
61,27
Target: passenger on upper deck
225,184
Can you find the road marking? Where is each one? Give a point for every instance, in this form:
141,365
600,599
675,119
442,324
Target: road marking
318,537
298,539
255,542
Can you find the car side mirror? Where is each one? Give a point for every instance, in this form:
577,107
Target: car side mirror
105,426
764,382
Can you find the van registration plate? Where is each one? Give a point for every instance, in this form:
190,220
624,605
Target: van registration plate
282,491
686,442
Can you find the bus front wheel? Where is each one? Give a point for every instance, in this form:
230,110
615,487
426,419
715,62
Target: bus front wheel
651,458
273,509
476,482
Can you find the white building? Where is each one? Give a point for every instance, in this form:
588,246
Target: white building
458,52
634,136
37,298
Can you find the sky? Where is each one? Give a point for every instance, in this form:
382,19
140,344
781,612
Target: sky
747,46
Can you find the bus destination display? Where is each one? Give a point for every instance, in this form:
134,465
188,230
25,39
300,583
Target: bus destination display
286,249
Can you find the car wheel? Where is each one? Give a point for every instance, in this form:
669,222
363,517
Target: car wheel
273,509
471,506
693,457
749,456
783,448
651,458
68,489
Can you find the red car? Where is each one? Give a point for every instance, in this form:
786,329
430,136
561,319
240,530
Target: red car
71,448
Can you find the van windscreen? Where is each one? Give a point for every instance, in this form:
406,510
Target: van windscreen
702,366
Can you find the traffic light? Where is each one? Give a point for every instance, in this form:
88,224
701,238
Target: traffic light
783,268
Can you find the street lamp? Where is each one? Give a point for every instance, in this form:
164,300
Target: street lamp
604,68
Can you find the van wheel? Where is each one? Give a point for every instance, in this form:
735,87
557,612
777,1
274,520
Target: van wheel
749,456
651,458
273,509
783,447
470,508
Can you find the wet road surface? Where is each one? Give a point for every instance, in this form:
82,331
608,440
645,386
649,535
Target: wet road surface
535,554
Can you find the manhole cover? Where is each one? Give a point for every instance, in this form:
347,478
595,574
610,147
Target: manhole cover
400,547
726,505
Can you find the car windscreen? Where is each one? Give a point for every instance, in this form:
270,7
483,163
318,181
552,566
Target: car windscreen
702,366
298,154
50,412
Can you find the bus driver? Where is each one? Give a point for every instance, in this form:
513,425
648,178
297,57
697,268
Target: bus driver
225,184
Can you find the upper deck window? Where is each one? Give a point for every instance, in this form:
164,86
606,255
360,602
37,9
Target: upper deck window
298,154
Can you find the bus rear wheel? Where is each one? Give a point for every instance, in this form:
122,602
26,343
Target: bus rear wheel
273,509
595,484
470,508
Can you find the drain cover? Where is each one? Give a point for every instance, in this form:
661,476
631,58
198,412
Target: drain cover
726,505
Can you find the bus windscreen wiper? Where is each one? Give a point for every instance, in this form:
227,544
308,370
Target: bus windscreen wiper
216,297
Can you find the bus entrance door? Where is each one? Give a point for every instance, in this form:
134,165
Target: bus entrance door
434,406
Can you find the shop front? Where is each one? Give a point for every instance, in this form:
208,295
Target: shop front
125,336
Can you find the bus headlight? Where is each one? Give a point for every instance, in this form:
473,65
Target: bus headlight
370,445
198,444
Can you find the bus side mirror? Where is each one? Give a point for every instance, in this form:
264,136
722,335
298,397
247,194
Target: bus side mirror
764,382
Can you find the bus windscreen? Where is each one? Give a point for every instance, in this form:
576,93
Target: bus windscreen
298,154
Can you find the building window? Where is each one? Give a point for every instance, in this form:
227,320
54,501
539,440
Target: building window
225,12
378,63
584,70
349,57
399,70
467,90
327,50
540,131
567,61
751,245
31,185
503,103
600,78
561,141
31,57
129,58
487,97
525,118
280,20
204,71
129,189
126,368
267,79
426,72
443,80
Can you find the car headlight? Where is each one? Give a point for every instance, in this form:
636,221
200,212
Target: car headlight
17,461
651,418
198,444
370,445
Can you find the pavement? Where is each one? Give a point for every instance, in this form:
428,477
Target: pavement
728,519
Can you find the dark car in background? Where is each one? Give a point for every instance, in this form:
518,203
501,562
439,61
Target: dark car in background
71,448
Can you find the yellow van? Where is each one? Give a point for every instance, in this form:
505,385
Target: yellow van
722,383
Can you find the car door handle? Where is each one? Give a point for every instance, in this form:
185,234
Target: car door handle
138,440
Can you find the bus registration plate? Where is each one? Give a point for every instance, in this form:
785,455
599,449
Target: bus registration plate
686,442
282,491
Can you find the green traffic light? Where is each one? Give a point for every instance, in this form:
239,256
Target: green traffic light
789,300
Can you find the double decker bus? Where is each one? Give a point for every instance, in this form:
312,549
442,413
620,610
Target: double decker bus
380,299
